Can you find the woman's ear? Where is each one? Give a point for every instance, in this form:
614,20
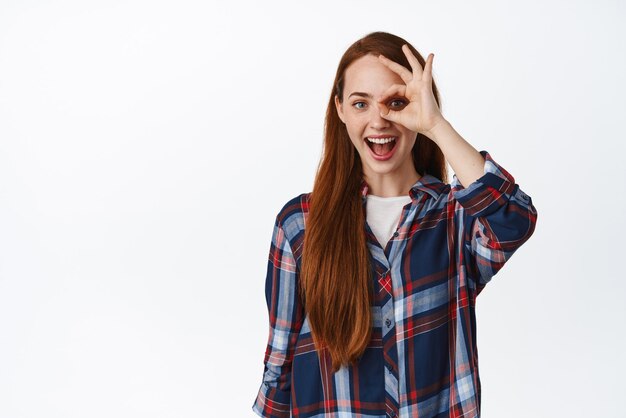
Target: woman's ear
339,108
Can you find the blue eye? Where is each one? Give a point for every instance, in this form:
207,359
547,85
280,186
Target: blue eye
356,103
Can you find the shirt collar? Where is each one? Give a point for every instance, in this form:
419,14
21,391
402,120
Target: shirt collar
426,183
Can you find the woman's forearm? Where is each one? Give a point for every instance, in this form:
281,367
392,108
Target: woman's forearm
465,160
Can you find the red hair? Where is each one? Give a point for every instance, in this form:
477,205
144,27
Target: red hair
336,280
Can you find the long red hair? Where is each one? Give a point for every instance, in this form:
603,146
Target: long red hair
336,276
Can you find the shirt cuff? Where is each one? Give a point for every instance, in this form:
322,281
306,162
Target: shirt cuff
489,192
272,402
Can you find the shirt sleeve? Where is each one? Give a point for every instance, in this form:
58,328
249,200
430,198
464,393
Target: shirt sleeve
498,217
285,320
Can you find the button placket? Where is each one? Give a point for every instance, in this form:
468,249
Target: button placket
390,355
384,281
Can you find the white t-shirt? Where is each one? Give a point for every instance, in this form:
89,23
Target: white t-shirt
383,215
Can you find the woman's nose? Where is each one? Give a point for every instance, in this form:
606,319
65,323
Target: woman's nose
377,121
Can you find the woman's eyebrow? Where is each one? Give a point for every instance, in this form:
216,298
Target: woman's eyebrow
358,93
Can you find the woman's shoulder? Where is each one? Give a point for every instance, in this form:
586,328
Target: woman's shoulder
292,215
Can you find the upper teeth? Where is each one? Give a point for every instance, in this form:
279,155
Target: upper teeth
381,140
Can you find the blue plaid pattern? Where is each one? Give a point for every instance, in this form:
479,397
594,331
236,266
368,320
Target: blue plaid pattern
422,359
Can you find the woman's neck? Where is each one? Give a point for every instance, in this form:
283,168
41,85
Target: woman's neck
391,184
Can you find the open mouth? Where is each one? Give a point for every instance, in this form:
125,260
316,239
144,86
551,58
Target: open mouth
381,146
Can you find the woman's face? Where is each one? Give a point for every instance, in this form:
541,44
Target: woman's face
365,82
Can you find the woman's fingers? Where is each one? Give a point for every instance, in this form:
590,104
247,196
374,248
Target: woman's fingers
428,68
403,72
415,64
393,91
387,113
417,71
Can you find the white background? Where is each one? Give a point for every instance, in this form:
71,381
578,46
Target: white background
146,147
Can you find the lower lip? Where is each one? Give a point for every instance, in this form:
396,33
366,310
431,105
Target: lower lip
383,157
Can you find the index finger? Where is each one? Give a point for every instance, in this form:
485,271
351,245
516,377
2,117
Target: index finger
402,71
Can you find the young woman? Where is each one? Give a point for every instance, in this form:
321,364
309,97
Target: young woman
372,277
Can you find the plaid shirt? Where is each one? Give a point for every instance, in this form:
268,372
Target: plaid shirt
422,360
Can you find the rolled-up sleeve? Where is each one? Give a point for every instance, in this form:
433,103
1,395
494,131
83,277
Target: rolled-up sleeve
498,217
285,320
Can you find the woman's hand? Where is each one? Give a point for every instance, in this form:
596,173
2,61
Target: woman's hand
421,114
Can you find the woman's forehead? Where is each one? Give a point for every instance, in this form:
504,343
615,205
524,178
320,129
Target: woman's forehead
368,75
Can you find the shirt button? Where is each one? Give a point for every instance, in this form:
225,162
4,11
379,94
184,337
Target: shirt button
522,196
388,322
392,414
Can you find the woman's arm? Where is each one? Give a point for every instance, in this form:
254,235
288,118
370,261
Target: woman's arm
286,315
497,217
464,159
494,218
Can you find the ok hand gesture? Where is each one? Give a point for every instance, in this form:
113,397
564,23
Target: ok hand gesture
421,114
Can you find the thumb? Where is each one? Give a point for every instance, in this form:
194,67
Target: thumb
389,114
